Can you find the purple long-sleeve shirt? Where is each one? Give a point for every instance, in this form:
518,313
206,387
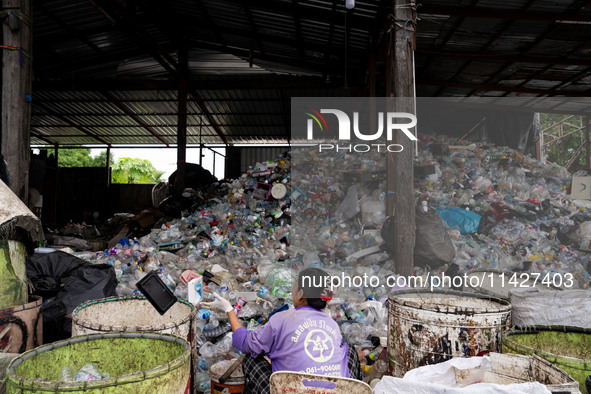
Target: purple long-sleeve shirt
303,339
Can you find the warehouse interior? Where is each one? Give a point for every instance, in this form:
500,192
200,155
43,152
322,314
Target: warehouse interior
110,73
207,74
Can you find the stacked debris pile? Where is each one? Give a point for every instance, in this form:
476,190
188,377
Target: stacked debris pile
500,210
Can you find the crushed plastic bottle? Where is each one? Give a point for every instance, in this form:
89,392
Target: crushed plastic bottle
67,374
90,371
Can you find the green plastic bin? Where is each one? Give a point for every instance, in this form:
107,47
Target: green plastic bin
137,362
569,348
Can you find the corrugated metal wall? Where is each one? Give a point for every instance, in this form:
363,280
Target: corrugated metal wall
250,156
130,198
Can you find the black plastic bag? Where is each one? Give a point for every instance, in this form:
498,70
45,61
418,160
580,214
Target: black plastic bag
568,235
487,223
196,177
433,247
388,234
174,206
65,281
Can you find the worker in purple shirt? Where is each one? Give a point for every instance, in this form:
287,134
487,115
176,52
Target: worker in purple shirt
302,339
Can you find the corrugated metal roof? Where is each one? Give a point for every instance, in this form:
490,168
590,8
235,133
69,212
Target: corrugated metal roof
246,59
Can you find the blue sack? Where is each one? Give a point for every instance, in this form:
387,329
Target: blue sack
466,221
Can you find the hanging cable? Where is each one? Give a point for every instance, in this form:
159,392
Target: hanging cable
395,21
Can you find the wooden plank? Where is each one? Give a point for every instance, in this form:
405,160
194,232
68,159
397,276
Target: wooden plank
587,153
539,137
403,185
575,157
16,109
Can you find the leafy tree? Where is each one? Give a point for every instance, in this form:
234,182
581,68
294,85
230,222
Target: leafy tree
124,170
100,160
130,170
79,157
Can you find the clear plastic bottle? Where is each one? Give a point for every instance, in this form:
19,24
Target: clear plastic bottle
67,374
379,369
203,314
214,288
89,372
253,325
225,344
239,304
353,313
203,381
208,350
265,294
213,323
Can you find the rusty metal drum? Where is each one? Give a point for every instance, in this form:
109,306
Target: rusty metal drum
428,327
21,327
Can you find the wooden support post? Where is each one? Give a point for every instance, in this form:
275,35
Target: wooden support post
16,91
400,165
371,78
108,166
213,171
587,153
538,137
388,73
182,122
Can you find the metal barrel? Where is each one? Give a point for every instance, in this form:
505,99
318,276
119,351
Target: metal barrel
427,327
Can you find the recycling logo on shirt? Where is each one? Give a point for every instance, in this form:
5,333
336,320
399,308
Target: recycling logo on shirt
319,346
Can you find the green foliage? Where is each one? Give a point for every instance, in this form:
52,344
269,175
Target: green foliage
124,170
80,157
565,148
101,160
129,170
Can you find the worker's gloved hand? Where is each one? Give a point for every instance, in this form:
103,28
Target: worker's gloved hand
221,304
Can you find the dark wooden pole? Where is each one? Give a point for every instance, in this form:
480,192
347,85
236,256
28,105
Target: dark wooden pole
108,166
400,165
16,95
539,137
587,153
182,122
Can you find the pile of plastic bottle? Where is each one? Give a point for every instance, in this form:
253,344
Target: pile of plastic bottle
528,224
248,246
